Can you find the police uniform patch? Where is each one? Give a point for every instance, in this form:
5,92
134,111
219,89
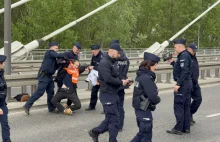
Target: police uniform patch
136,84
181,65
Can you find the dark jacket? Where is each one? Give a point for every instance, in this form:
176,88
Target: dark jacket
3,89
195,69
144,85
123,65
182,68
71,55
109,75
66,78
49,64
96,60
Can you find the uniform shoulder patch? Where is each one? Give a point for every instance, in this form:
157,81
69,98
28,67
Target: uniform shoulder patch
136,84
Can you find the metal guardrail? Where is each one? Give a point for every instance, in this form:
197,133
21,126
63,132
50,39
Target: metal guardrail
38,54
31,79
33,66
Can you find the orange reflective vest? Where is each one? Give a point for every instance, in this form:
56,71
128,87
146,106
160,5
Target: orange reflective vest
74,73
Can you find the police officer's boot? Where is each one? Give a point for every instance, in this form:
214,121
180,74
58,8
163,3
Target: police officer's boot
193,121
173,131
68,111
26,110
54,111
7,141
94,135
186,131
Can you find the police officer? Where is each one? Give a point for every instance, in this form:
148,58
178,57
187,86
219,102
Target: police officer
123,65
182,90
71,55
45,79
97,55
109,84
145,97
196,91
3,105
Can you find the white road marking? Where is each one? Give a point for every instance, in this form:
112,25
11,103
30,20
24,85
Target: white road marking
213,115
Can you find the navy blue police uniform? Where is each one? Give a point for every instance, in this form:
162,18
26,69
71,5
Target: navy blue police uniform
182,75
123,65
196,91
3,104
95,89
70,55
45,79
109,84
145,89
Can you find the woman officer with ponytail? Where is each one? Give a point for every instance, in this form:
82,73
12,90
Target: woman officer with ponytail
145,97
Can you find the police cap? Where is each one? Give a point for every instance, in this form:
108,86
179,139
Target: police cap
116,46
95,47
152,57
53,44
2,58
193,46
114,41
179,41
78,45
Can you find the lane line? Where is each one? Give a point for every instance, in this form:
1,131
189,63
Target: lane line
213,115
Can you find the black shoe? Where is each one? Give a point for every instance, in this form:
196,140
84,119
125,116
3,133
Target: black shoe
173,131
186,131
26,110
193,121
54,111
94,135
89,108
102,112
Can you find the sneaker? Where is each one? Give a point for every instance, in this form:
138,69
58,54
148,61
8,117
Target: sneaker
68,111
26,110
94,135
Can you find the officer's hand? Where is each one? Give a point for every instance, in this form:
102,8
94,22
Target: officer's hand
176,88
130,82
87,69
125,82
171,60
90,67
64,61
1,111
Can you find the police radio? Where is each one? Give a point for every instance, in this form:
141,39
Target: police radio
167,56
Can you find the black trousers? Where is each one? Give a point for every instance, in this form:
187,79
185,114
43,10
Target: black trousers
94,96
64,93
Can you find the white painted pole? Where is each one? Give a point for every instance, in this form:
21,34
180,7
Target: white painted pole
195,20
76,21
34,44
15,5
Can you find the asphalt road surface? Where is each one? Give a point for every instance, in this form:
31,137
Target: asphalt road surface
42,126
